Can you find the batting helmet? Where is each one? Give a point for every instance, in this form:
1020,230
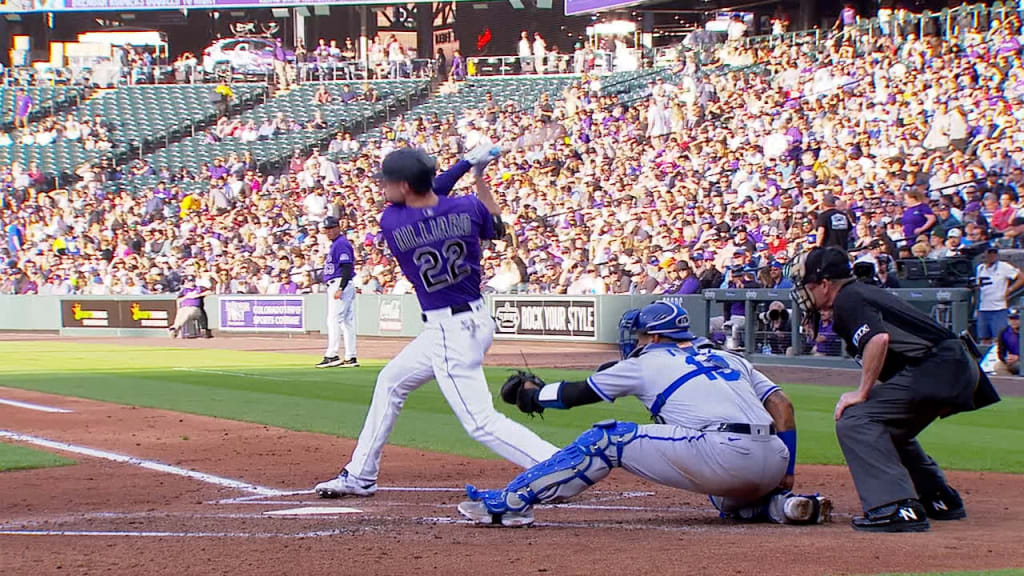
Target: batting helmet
410,165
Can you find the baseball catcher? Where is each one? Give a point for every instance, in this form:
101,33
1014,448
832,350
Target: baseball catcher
720,428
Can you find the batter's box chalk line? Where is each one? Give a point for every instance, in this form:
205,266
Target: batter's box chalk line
142,463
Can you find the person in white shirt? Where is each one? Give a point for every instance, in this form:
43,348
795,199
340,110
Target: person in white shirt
525,51
736,29
996,281
315,204
539,50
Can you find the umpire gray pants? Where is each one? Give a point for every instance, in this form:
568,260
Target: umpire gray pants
878,437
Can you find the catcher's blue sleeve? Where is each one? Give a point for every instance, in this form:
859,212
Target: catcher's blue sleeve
445,181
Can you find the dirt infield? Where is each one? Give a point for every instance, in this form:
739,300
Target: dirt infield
126,517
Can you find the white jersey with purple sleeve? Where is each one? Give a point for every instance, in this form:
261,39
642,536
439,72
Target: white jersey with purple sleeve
689,387
438,248
341,253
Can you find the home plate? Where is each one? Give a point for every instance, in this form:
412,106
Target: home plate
313,511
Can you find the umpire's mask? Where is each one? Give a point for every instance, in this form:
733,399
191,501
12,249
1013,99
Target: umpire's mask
829,263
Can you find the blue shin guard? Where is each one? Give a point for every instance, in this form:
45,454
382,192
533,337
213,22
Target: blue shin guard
570,471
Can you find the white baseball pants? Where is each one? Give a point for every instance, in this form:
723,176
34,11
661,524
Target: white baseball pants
341,319
451,350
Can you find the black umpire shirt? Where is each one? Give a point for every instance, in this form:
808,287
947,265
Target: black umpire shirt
837,227
863,311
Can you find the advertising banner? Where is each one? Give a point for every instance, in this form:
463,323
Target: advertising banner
573,7
87,313
262,313
390,315
133,5
545,318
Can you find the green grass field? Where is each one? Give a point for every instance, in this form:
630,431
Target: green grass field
14,457
284,390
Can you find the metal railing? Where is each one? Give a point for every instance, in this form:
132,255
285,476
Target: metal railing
951,307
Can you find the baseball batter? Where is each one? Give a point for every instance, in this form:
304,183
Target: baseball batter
721,428
338,272
436,240
341,297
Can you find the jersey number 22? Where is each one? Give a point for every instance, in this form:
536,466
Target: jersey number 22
441,269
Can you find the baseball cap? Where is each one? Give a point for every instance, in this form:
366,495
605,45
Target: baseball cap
954,232
410,165
329,222
1014,313
828,263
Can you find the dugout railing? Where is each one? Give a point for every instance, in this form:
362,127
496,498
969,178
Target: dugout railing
951,307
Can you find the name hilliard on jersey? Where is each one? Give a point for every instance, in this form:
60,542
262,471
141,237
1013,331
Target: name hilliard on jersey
438,248
431,230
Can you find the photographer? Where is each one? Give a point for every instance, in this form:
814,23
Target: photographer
775,325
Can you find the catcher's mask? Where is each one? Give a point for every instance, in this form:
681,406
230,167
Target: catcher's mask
627,333
663,317
827,263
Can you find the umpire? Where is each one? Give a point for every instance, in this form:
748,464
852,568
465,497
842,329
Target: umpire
913,371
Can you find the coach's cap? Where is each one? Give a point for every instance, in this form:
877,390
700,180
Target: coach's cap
411,165
329,222
828,263
1014,313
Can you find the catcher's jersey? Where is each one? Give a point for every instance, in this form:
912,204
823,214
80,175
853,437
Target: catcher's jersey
712,386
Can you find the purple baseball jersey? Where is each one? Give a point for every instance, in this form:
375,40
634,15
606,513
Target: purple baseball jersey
438,248
190,297
341,253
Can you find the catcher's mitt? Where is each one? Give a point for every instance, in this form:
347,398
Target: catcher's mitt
521,389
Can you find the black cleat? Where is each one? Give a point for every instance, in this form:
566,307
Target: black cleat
902,516
946,504
350,363
329,362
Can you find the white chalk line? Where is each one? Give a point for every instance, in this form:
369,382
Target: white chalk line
242,374
257,498
141,463
148,534
36,407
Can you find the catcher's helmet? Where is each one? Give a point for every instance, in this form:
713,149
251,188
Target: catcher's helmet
662,317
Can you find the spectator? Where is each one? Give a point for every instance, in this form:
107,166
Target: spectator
347,95
917,216
525,50
281,65
322,96
441,65
834,226
539,53
458,70
997,280
23,107
1008,343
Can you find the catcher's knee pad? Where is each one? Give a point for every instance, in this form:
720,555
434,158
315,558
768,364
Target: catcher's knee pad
572,469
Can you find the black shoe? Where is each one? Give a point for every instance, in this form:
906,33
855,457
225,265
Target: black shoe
208,334
329,362
350,363
946,504
903,516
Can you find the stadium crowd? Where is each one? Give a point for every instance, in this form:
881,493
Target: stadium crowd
715,177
